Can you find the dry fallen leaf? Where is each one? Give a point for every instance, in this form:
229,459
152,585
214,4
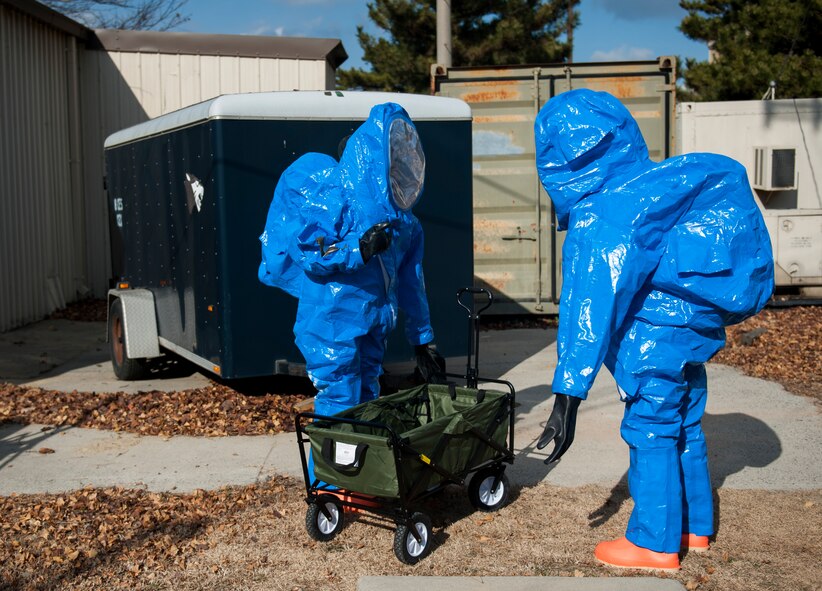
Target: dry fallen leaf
788,352
45,450
213,411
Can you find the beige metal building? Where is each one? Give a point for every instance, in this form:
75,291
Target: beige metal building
63,89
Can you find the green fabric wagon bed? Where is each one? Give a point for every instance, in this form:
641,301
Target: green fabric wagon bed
438,431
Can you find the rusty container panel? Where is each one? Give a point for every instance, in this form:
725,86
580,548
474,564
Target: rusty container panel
517,250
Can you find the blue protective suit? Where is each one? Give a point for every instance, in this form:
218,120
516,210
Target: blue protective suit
657,260
310,248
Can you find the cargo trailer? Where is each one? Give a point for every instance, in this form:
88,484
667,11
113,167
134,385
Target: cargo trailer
188,195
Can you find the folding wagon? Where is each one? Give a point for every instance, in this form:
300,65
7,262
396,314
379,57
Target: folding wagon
386,456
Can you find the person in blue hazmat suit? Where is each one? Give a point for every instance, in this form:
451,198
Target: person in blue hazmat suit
658,258
341,237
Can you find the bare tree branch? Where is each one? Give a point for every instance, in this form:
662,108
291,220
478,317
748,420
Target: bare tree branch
159,15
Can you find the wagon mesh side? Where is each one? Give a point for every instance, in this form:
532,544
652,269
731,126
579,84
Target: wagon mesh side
439,422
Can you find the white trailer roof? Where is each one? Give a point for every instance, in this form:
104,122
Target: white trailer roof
315,105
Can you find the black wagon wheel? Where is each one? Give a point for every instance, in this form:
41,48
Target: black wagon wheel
409,548
324,518
124,367
482,493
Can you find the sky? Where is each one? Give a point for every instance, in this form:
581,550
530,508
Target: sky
610,30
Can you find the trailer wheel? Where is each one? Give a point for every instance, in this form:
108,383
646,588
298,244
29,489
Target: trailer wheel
481,490
409,549
324,518
124,367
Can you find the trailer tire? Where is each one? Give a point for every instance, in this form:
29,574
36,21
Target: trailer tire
480,491
125,368
321,525
406,547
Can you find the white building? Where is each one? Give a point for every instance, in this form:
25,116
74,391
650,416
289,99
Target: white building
63,89
780,144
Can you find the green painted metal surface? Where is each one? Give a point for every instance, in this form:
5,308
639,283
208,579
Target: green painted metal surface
517,250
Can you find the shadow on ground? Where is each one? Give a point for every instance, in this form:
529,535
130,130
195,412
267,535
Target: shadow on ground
735,441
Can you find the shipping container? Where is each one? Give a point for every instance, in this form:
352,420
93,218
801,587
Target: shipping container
189,193
517,249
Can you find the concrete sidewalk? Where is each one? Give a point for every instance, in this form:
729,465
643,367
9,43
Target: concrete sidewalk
67,355
759,435
518,584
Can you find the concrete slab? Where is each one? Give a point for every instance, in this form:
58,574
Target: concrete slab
83,457
518,584
32,351
67,355
759,435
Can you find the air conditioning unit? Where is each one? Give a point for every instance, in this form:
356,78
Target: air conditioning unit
774,169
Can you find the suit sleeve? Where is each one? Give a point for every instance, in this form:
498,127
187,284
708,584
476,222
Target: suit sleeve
319,252
602,271
411,292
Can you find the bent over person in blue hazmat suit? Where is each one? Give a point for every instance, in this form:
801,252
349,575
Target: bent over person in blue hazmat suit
340,236
658,259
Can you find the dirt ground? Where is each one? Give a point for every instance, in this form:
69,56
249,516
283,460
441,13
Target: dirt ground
254,537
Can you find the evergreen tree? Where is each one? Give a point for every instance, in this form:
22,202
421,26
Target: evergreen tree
484,32
752,43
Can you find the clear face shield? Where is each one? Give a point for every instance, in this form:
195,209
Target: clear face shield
406,164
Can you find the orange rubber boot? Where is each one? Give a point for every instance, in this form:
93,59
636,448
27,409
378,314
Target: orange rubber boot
624,554
695,543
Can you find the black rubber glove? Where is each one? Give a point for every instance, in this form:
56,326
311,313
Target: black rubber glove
375,240
430,364
560,426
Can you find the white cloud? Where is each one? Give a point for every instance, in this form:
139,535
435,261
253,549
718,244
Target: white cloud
623,53
318,26
260,30
266,29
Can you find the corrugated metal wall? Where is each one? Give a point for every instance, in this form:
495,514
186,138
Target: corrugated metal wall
41,224
162,82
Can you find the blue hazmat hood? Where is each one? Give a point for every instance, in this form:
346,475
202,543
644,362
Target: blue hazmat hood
366,165
582,139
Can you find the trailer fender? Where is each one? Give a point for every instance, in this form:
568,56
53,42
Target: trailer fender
139,322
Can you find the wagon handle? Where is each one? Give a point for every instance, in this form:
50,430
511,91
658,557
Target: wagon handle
472,366
474,290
